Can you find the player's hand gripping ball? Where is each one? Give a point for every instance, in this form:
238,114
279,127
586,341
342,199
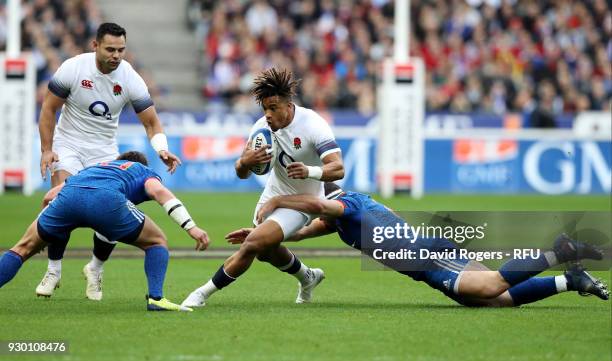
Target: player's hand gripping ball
261,138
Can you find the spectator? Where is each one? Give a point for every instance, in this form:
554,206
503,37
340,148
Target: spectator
55,30
480,55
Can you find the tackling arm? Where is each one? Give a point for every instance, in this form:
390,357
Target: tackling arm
310,204
316,228
302,203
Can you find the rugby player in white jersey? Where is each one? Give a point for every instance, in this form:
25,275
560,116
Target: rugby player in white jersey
91,89
307,155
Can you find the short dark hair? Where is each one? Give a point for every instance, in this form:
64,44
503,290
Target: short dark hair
332,190
110,29
274,82
134,156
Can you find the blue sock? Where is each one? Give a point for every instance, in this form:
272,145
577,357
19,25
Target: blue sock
517,270
156,263
221,278
534,289
10,262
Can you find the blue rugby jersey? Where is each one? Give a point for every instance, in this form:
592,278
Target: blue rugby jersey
361,215
119,175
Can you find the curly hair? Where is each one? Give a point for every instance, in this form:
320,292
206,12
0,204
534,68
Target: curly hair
274,82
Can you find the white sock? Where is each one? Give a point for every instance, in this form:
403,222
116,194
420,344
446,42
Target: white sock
208,289
95,264
551,258
561,283
304,275
55,266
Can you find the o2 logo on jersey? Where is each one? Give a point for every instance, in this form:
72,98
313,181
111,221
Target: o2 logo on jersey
100,109
285,159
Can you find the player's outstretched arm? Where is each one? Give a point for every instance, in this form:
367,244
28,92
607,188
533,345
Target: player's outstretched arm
316,228
177,211
249,158
238,236
332,169
46,127
159,142
302,203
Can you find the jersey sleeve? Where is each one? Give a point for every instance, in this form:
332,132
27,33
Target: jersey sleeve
138,92
323,139
351,206
61,82
145,173
150,173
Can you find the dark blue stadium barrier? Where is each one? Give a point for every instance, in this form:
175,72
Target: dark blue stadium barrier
451,166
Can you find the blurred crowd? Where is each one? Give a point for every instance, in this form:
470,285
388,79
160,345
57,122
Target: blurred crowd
55,30
497,56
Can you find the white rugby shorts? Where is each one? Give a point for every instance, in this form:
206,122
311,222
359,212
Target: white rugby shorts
74,157
289,220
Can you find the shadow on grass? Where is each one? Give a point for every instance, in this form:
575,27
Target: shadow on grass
276,306
117,307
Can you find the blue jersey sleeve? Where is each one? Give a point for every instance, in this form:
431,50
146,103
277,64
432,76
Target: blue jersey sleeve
351,205
150,173
141,194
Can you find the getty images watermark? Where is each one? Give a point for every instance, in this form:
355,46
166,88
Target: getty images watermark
413,240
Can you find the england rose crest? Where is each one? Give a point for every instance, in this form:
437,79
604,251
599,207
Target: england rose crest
117,89
297,143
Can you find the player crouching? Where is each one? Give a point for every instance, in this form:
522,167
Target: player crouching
104,197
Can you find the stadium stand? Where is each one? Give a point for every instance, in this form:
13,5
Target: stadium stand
55,30
540,57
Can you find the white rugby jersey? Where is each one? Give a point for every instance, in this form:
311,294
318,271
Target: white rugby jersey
95,100
307,139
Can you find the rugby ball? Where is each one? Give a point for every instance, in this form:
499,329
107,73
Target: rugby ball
261,138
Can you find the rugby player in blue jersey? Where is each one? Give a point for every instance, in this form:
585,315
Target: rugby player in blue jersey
354,215
104,197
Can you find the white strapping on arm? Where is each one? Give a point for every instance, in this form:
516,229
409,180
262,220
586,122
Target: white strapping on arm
177,211
159,142
314,172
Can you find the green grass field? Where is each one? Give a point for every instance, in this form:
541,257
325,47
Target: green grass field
357,315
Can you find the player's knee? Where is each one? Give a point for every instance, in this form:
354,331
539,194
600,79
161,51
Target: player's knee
254,244
487,284
160,240
152,241
252,247
491,289
504,300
